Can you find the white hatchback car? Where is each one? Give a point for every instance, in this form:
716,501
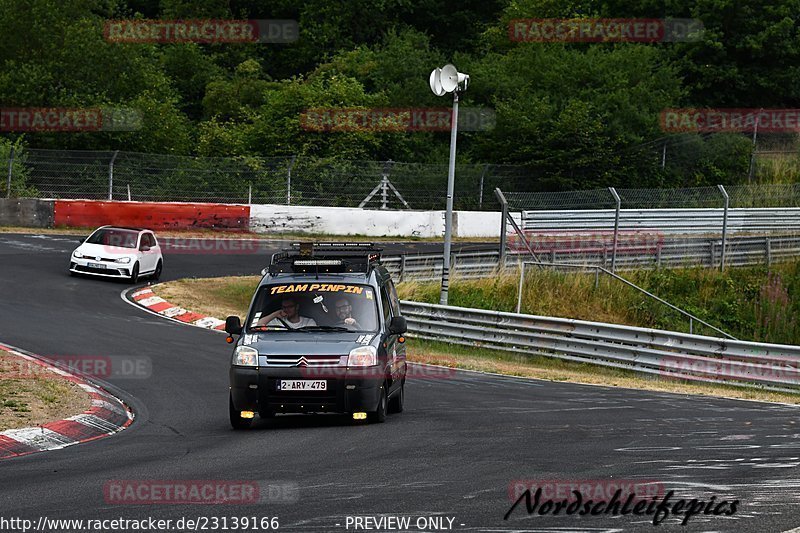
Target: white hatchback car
118,252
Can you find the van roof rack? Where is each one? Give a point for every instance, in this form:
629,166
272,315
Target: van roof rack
325,257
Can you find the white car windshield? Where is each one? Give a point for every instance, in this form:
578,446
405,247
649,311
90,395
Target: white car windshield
114,237
314,306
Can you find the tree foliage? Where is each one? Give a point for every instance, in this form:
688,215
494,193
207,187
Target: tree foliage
578,115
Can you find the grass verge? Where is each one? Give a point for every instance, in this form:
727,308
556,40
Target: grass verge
31,401
220,297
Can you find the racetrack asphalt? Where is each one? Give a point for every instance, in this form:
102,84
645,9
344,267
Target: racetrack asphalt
454,452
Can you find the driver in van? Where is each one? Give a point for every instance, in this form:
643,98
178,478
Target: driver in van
344,310
289,315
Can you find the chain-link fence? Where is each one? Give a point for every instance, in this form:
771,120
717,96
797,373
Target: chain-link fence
72,174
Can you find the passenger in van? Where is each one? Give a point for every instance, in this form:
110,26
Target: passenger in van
344,312
289,313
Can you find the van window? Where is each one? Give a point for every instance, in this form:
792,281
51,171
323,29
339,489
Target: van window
386,305
393,299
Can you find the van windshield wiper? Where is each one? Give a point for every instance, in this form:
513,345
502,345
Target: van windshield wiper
322,328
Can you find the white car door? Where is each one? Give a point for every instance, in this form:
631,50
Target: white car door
147,255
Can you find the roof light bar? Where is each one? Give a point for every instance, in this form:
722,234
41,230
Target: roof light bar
317,262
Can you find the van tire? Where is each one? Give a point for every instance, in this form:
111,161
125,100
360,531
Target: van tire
379,415
396,403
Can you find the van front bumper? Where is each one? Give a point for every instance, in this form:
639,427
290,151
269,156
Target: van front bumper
348,390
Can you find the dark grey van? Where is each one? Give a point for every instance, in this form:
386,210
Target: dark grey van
323,335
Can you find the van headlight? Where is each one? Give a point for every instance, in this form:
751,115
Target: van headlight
77,254
123,259
245,356
363,356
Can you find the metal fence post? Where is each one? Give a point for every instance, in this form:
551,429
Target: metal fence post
402,267
10,171
480,192
724,226
129,191
768,252
387,165
501,261
519,291
616,228
111,175
250,193
289,181
751,170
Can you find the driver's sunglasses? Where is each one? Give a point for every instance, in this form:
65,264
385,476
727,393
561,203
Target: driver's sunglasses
345,306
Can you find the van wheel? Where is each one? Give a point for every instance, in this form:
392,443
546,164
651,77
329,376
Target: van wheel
396,403
237,422
378,416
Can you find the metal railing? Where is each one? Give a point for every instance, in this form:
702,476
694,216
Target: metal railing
669,253
680,224
666,221
667,354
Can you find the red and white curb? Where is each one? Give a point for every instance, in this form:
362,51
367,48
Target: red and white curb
106,416
147,299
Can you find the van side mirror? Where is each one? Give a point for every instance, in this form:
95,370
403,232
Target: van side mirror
398,326
233,325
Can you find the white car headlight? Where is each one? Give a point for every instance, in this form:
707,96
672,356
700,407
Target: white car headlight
123,260
77,254
245,356
363,356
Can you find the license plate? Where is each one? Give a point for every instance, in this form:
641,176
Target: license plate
302,384
95,265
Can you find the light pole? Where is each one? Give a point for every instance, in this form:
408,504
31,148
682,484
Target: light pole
449,80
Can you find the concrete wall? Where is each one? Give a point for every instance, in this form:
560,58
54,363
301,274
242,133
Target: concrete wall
275,219
152,215
376,223
26,212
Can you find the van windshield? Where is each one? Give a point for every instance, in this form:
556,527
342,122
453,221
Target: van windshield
314,307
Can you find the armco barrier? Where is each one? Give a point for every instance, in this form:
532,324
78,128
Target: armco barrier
152,215
673,252
668,354
666,221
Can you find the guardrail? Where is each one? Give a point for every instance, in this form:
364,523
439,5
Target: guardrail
667,221
667,354
668,253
